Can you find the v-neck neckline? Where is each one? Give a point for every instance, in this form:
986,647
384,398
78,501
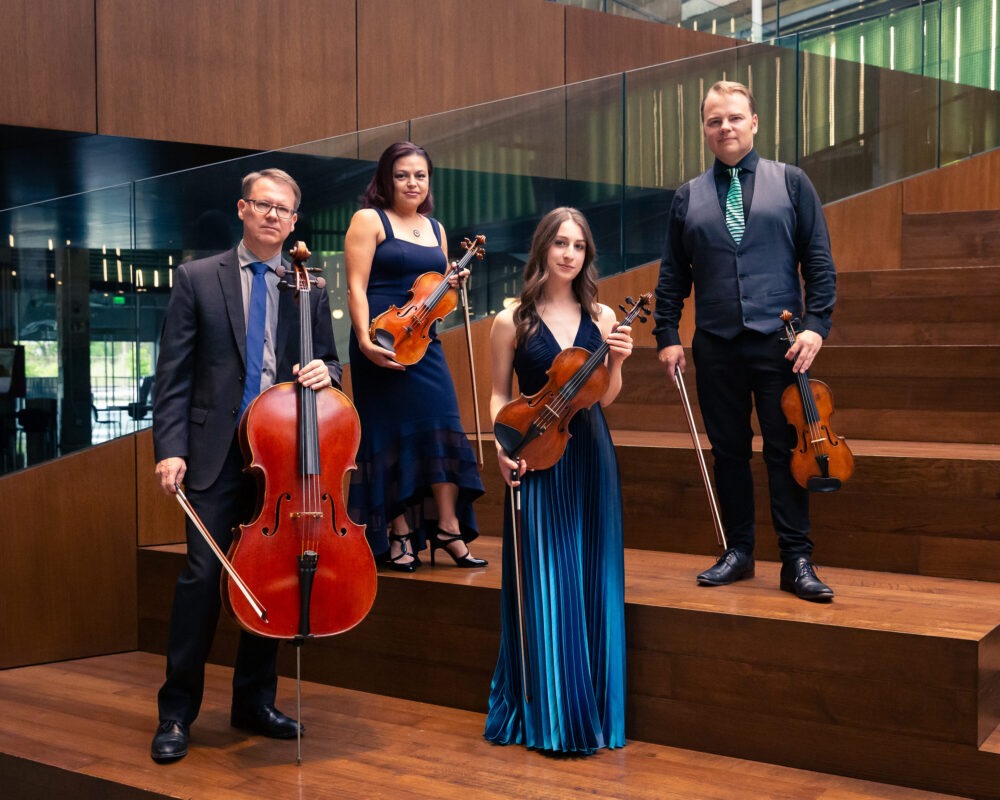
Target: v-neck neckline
576,337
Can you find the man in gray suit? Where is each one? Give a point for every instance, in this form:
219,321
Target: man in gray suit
228,334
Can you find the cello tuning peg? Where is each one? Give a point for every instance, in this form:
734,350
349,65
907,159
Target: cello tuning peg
280,271
319,282
314,270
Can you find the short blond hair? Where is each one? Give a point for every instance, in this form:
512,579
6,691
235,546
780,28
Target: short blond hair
729,87
274,174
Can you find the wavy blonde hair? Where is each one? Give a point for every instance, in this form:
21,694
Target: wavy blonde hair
536,271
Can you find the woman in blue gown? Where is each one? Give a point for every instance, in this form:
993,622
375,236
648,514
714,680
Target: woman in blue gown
417,475
571,517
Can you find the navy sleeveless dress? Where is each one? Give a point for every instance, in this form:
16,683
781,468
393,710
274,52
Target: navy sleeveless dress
574,572
411,432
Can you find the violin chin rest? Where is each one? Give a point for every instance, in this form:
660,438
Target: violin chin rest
820,484
384,340
508,437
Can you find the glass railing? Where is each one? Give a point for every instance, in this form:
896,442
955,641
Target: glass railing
85,279
962,34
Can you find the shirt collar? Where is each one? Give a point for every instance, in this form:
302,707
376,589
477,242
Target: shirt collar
246,257
746,164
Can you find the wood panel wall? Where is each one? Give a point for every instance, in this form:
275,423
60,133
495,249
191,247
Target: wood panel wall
249,73
418,58
601,44
865,229
159,519
47,64
69,547
969,185
244,73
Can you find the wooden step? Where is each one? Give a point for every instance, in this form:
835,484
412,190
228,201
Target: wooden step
908,393
918,508
950,238
896,679
954,306
57,741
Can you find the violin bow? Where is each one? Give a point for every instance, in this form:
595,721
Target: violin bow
720,533
255,604
472,372
515,518
474,248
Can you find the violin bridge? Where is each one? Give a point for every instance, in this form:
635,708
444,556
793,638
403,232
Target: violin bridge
298,514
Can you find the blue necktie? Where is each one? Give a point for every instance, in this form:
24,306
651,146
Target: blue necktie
734,205
256,323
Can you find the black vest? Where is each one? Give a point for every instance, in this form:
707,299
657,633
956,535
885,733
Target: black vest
746,286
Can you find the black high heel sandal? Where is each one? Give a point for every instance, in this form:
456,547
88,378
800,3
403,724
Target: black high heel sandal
409,566
440,541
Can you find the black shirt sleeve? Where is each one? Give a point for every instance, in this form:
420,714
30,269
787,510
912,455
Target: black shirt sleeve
812,251
674,284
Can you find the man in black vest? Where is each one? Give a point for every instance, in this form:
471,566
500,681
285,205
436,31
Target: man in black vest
742,232
228,334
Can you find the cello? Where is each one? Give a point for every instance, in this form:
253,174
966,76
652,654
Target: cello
821,460
306,561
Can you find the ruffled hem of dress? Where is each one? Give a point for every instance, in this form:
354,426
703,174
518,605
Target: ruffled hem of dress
395,477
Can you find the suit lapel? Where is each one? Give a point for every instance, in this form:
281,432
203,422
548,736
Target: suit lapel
232,293
287,318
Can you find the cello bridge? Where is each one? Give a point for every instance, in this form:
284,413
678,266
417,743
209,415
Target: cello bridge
298,514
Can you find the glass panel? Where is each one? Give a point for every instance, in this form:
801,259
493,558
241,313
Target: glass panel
69,284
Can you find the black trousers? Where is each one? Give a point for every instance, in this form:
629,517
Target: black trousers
197,601
734,376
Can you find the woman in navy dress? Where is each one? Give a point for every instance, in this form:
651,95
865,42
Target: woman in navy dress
417,475
571,517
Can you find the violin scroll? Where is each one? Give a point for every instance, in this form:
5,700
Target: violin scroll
641,308
475,246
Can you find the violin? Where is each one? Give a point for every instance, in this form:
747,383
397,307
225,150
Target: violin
536,428
821,460
405,332
305,559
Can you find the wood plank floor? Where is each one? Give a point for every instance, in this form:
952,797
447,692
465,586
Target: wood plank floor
95,717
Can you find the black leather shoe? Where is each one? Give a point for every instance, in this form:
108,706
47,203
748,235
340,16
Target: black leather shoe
170,742
265,720
798,576
734,565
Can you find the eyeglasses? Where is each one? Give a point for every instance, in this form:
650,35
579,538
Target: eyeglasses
264,208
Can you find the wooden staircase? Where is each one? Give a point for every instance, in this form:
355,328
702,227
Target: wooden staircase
898,680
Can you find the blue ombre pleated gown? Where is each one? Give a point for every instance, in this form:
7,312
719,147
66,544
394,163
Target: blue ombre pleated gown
574,586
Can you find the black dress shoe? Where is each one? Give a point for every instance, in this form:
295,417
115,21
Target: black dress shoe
798,576
734,565
170,742
265,720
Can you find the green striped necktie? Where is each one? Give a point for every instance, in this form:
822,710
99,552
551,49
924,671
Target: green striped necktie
734,205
